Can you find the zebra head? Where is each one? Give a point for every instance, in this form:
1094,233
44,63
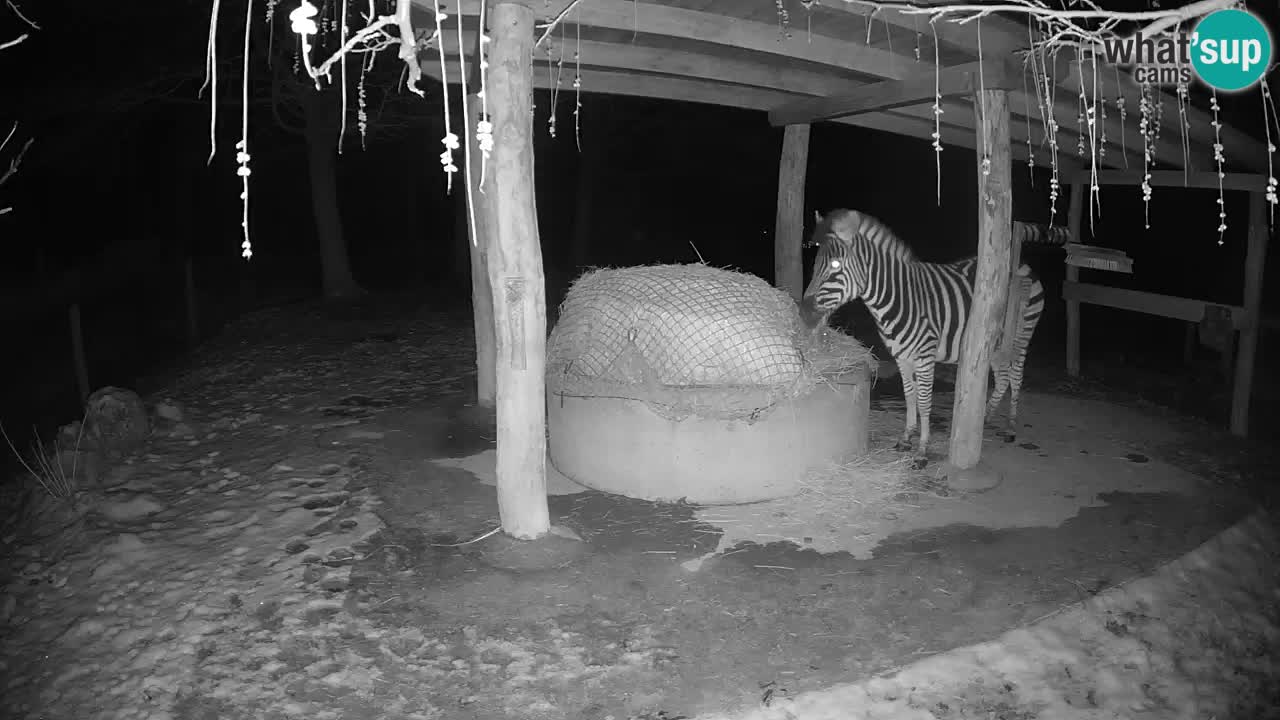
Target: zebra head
837,277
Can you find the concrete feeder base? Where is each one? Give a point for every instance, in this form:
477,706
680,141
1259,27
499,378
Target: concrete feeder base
621,446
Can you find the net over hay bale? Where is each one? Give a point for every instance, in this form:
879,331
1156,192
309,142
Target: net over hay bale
672,382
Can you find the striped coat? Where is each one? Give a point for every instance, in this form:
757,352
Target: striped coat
920,308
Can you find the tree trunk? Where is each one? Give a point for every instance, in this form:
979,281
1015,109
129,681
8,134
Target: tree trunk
788,238
477,245
322,168
516,278
464,250
1254,271
1075,217
991,284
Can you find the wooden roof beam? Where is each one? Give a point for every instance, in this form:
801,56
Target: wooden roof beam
1001,37
596,54
711,92
650,18
960,80
1248,182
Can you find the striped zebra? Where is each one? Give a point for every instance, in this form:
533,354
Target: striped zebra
920,308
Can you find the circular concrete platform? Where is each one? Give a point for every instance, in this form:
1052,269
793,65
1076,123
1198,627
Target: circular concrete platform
621,446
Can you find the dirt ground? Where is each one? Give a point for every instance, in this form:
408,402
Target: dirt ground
378,593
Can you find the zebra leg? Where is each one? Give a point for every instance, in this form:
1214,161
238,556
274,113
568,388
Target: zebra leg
907,371
1002,375
924,397
1015,389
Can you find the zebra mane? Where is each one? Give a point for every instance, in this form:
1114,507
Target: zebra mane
851,226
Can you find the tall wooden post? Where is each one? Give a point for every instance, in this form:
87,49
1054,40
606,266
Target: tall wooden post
991,284
788,235
1075,218
516,278
480,237
1254,265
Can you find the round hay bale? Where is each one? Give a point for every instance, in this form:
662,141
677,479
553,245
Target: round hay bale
690,382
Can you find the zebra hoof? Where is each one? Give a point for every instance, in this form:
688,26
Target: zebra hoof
918,462
1010,436
903,446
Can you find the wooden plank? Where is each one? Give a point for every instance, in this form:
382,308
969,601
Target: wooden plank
648,18
991,284
1250,182
1254,267
1147,303
1075,219
788,238
919,87
516,278
1000,37
716,93
596,55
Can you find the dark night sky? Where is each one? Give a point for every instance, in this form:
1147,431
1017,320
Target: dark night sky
119,162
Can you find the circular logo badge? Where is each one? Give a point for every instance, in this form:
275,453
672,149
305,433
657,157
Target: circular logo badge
1231,49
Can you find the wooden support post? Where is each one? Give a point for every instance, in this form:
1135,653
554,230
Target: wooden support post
1013,303
788,233
991,284
1254,264
480,237
516,278
77,352
1075,217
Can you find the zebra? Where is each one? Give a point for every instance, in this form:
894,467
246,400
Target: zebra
920,308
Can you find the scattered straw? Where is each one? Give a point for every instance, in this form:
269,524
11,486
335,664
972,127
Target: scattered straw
837,505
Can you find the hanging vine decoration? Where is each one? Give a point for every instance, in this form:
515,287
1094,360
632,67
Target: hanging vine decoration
577,88
466,128
1184,125
915,23
211,74
1049,103
1124,151
937,114
784,19
362,101
982,91
1144,127
1100,104
484,128
1096,148
242,147
1269,117
342,70
271,36
1219,159
555,79
1026,96
450,140
1081,104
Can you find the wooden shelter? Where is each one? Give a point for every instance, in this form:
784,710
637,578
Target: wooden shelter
840,62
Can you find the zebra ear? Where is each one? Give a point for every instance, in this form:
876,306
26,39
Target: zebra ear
817,216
